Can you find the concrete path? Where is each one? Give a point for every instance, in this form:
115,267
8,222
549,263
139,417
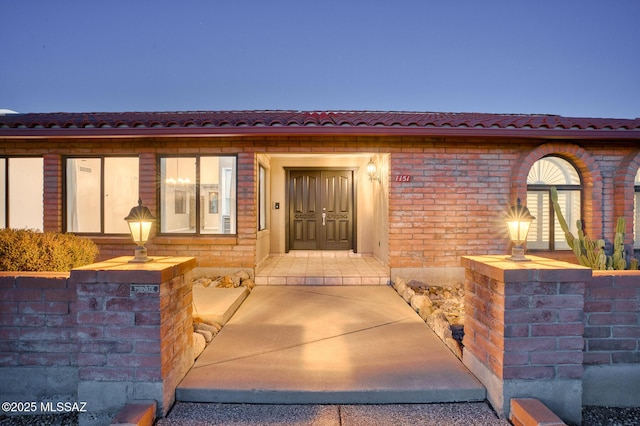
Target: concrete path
327,345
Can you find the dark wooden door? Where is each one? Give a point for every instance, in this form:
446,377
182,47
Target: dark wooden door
321,209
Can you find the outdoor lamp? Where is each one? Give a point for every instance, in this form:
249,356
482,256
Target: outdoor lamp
519,221
371,171
140,220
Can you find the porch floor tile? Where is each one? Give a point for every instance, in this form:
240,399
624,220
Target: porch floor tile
308,267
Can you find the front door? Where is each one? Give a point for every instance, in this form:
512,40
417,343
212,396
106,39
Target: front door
321,209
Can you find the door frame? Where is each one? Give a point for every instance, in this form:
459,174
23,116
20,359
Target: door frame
354,187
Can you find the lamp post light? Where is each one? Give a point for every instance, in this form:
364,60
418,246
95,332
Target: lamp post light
519,221
140,220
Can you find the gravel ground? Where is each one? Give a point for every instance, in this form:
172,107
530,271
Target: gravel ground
478,414
197,414
609,416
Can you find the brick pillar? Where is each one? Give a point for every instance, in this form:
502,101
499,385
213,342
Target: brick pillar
52,193
524,331
134,332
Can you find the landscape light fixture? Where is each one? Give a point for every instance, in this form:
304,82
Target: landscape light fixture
372,171
140,220
519,221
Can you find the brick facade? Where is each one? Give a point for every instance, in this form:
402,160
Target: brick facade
612,318
453,205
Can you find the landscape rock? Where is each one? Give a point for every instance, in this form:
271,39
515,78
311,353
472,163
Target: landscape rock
418,301
408,294
199,343
213,329
441,307
208,336
248,283
226,282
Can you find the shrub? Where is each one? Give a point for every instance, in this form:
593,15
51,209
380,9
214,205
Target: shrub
30,250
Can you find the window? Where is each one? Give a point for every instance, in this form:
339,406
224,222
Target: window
100,192
636,219
198,195
22,193
262,198
548,172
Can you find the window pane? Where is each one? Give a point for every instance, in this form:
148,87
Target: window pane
177,194
218,195
553,171
3,193
570,206
636,218
83,194
538,205
26,186
121,185
636,222
262,198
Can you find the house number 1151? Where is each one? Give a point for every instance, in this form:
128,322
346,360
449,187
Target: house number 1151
403,178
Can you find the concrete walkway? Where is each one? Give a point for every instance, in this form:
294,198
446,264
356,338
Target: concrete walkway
327,345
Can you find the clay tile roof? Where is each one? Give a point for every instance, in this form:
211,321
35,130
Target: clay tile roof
314,122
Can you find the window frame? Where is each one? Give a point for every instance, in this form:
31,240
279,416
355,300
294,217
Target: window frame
198,195
636,214
547,189
7,185
263,201
65,195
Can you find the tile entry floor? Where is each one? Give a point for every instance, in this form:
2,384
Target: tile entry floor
309,267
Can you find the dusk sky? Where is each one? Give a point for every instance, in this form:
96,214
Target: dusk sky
577,58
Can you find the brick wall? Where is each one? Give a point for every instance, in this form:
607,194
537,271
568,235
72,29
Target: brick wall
38,349
37,319
133,344
524,330
612,318
453,206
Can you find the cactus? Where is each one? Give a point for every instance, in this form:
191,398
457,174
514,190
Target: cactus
592,253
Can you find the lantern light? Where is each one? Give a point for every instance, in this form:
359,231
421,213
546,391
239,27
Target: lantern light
519,222
140,221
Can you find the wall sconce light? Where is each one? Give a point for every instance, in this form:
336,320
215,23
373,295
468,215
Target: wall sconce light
519,221
372,171
140,220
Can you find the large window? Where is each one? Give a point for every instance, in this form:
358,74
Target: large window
21,193
548,172
198,195
100,192
636,219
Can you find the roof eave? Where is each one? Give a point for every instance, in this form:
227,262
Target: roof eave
147,132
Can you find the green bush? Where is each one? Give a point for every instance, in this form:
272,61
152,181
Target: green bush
30,250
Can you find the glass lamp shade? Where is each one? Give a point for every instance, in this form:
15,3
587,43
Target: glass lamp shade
140,231
518,230
140,220
371,169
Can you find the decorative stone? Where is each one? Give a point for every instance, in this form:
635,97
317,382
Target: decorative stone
202,282
198,326
408,294
199,343
248,283
418,301
208,336
227,282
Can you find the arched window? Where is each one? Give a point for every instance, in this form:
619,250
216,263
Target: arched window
636,218
548,172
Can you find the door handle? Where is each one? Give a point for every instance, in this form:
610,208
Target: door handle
324,217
